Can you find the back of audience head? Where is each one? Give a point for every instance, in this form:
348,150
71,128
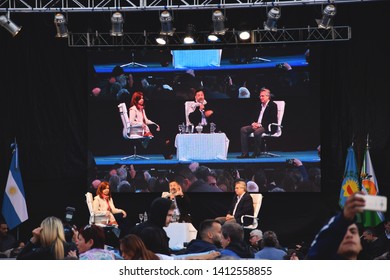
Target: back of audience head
232,233
270,239
255,236
184,177
52,234
114,182
260,178
125,186
133,248
122,173
252,187
225,180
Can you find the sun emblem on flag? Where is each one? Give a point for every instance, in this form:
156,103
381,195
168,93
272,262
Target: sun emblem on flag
350,187
12,190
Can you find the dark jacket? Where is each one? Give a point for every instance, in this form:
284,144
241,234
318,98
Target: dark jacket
195,117
36,252
151,232
200,246
201,186
270,116
327,241
244,207
240,249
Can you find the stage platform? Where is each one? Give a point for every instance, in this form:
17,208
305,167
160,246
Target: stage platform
158,161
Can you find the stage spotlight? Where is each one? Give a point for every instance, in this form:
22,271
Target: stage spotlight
166,24
117,24
327,17
190,33
244,35
162,40
9,25
272,18
61,28
213,38
218,23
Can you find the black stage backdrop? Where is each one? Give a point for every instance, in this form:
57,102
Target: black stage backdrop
44,105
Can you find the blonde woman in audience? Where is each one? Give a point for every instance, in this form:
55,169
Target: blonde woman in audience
47,242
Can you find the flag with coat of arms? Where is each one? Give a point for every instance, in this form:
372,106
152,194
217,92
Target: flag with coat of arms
14,208
370,187
350,182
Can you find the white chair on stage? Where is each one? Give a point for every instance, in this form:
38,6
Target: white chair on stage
257,201
281,105
95,218
189,107
132,132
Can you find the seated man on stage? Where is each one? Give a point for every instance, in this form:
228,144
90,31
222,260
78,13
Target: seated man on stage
268,114
181,201
242,205
199,114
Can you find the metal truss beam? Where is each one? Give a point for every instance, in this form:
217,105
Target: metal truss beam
259,36
51,6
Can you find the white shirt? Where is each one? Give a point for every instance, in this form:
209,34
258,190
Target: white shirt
262,112
238,201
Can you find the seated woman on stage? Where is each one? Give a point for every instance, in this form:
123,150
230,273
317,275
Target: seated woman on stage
103,202
137,115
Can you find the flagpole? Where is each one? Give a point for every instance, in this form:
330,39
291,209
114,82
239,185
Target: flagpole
17,155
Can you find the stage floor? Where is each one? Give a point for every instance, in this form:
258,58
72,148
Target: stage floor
308,157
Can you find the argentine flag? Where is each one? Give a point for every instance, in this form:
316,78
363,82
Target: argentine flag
14,202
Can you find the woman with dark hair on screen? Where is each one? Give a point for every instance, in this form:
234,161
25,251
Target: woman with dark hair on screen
137,115
103,202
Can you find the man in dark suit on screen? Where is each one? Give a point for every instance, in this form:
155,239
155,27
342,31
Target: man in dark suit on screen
268,114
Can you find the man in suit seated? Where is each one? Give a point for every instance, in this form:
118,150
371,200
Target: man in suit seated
242,205
268,114
199,113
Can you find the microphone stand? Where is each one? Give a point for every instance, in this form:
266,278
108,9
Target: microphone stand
133,63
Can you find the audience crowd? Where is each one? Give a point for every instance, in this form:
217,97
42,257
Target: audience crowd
341,238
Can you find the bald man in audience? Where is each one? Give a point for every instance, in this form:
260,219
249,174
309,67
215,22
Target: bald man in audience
210,233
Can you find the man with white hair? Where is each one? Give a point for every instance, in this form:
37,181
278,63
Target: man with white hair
255,237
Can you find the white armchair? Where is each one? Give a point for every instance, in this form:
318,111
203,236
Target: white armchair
257,201
132,132
97,218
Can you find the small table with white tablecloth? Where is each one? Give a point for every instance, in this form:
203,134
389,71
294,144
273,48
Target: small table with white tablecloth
179,233
201,146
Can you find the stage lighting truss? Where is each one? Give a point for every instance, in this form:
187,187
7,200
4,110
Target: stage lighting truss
328,14
166,21
116,24
52,6
189,37
259,36
273,16
9,25
61,26
218,23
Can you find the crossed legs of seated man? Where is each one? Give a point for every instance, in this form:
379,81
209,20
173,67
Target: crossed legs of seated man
244,134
